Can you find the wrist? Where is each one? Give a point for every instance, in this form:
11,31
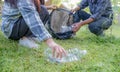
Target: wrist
81,23
48,7
50,42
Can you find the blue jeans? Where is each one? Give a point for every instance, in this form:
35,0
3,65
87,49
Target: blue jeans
98,26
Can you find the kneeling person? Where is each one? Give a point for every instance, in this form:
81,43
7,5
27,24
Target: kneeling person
100,18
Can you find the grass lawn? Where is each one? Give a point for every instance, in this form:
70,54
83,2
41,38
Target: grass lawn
103,54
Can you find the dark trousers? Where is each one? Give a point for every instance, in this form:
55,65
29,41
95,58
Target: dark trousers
20,28
97,27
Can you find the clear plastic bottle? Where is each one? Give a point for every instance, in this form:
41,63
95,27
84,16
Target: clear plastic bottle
66,28
72,55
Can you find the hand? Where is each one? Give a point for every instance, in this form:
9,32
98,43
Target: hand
76,27
57,50
52,7
75,9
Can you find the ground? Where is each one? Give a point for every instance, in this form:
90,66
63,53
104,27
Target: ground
103,54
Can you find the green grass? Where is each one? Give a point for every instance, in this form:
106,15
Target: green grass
103,54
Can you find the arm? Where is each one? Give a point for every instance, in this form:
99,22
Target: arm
78,25
32,19
75,9
51,7
89,20
101,9
82,5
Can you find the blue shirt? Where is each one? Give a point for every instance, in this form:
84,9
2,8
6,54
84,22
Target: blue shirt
98,8
27,10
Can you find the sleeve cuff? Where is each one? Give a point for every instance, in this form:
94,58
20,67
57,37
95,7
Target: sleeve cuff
45,37
94,17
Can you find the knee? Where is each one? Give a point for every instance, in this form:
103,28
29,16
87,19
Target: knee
95,29
80,12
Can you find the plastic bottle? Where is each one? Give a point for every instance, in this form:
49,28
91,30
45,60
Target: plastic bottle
72,55
65,28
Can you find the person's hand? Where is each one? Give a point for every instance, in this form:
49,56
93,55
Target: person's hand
75,9
52,7
57,50
76,27
72,10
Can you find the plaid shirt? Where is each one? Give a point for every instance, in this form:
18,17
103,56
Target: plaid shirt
27,10
97,8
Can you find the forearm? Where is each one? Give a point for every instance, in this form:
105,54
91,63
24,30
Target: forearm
49,42
51,7
48,7
86,21
32,19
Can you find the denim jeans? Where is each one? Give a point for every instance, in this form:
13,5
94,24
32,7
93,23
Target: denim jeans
20,28
98,26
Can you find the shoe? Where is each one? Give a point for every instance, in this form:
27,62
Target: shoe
36,39
28,42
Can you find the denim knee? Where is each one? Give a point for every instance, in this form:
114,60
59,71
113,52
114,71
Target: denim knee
83,15
97,30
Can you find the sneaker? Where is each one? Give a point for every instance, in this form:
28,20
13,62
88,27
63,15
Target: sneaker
36,39
28,42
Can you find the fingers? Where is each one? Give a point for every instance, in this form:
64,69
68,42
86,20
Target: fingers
54,7
64,52
75,27
72,10
58,52
53,52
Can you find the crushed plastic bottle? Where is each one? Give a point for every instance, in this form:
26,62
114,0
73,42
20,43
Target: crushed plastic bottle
66,28
72,55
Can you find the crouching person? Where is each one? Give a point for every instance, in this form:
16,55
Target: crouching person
24,20
100,18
